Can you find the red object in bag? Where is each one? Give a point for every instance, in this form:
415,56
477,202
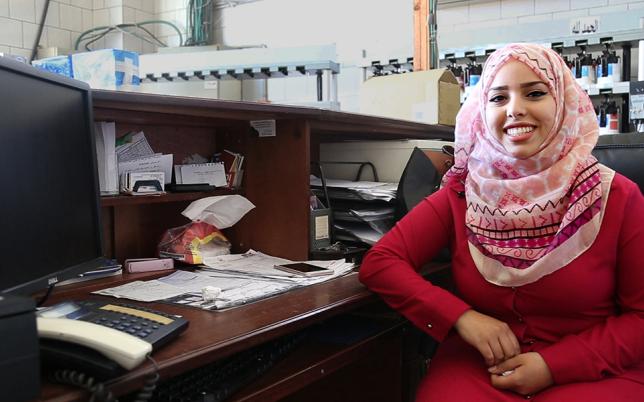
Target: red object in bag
193,242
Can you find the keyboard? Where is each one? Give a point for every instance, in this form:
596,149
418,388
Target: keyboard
217,381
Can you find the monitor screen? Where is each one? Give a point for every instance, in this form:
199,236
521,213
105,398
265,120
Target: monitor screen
50,202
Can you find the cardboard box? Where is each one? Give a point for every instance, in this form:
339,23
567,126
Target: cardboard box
101,69
388,157
107,69
431,96
58,64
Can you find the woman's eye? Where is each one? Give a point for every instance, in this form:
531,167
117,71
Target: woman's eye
537,94
497,98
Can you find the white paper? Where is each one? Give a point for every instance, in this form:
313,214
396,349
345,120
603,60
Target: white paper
105,134
265,128
137,148
211,173
240,283
154,163
220,211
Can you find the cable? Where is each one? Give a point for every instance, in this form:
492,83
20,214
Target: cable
44,298
73,377
104,30
34,49
99,393
150,385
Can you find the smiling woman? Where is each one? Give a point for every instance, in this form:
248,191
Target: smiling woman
546,247
520,110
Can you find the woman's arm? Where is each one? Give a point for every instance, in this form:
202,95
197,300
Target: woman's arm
617,343
390,268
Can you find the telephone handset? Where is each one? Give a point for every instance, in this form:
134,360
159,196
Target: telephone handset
73,332
126,350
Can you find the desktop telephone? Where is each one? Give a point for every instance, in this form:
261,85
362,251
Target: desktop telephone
101,338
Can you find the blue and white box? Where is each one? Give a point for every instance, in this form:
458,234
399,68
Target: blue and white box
58,64
107,69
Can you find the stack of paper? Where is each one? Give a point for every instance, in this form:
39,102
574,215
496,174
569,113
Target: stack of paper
242,278
105,133
201,173
135,155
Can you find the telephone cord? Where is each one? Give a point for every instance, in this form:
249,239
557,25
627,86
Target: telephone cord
99,393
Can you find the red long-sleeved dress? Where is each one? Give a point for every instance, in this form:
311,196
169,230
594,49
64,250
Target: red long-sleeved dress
586,319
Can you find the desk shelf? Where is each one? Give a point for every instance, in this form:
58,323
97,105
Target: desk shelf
109,201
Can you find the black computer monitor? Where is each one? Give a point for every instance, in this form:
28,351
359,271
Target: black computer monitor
50,227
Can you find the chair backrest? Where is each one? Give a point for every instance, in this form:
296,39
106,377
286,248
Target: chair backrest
623,153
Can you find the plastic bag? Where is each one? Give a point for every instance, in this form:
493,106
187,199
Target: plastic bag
192,242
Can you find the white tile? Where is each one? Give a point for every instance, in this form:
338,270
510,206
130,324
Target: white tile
136,4
86,4
535,18
635,6
129,15
29,32
64,1
113,3
147,48
53,13
116,15
131,43
141,16
59,38
113,41
102,17
485,11
575,4
71,18
74,36
551,6
570,14
516,8
611,2
608,9
24,10
473,26
10,32
88,20
451,16
16,51
98,4
172,41
149,5
4,8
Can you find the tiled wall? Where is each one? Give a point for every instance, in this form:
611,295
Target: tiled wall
467,18
66,20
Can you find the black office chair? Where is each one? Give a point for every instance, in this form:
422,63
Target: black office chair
624,153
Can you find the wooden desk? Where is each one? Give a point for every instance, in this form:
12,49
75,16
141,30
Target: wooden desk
276,180
214,335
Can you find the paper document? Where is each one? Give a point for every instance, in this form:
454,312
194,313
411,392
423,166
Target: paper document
137,146
242,278
211,173
154,163
105,133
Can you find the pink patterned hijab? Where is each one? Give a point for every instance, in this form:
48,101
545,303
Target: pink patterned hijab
527,218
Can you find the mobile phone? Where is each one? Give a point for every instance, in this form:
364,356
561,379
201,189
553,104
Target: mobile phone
304,269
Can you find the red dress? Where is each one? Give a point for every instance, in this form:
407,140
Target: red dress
586,319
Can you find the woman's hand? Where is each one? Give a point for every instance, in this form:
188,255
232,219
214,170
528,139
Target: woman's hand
525,374
491,337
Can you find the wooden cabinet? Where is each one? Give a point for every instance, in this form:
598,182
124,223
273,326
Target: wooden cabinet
276,171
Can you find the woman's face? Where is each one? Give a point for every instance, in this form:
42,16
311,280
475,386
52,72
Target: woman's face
520,109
